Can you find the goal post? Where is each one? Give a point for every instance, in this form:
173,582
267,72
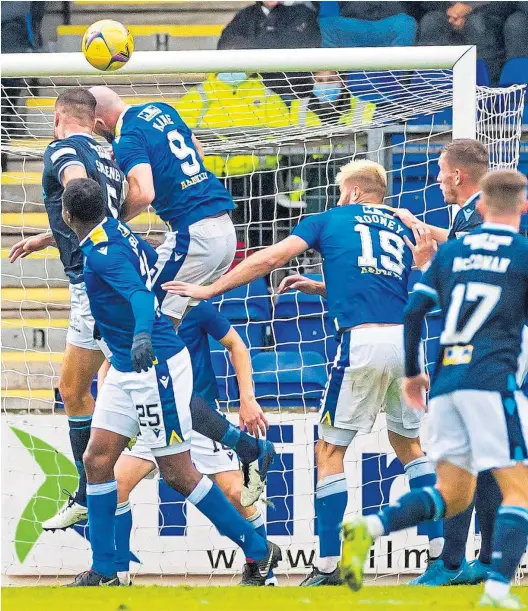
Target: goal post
278,150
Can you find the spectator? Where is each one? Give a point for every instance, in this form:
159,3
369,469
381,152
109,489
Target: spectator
275,25
366,24
20,34
516,32
468,23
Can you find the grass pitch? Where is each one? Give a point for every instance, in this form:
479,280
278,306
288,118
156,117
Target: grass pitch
145,598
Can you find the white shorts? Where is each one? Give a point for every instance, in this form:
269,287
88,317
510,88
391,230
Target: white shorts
153,404
200,256
478,430
365,379
209,457
81,327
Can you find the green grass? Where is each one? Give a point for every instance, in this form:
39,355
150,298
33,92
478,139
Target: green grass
147,598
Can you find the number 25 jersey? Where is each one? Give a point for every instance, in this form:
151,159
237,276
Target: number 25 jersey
481,284
366,263
185,192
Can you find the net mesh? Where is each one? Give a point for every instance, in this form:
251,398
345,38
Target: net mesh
278,150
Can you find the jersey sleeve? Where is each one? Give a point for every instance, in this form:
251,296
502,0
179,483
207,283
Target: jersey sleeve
61,155
130,149
215,325
309,229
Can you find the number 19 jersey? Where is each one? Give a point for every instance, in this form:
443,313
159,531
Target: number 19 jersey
481,284
366,263
185,192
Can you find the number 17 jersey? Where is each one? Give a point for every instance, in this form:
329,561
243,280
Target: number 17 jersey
185,192
481,284
366,263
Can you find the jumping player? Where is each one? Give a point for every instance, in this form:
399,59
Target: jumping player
148,387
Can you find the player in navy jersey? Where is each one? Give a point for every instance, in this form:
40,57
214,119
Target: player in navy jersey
162,162
148,387
462,163
366,265
478,416
75,154
213,459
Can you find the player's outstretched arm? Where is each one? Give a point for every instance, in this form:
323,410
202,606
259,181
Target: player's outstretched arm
250,413
409,220
296,282
255,266
424,248
25,247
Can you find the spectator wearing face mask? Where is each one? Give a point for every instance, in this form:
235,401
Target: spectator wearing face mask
366,24
275,25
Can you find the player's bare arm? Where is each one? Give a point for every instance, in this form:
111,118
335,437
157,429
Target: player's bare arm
198,146
256,266
439,234
250,413
424,248
141,191
296,282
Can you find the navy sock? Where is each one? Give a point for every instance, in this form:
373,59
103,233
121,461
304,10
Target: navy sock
456,531
509,542
79,437
210,423
421,474
487,503
331,498
210,500
102,504
123,528
412,509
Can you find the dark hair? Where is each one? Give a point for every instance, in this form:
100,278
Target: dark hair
79,103
468,154
85,200
502,189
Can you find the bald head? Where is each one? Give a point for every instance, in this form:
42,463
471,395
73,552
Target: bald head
109,108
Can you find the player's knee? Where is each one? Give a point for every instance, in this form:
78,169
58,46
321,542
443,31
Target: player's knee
74,396
97,464
232,490
456,498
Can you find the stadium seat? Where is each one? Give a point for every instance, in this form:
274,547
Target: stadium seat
483,77
376,87
514,72
225,378
287,379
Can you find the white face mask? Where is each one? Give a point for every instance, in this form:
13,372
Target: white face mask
232,78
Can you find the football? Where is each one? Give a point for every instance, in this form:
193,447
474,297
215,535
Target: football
107,45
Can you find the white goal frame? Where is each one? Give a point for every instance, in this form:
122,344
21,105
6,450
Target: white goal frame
462,60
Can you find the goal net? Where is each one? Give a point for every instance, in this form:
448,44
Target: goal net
277,147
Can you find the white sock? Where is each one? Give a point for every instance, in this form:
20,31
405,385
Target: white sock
328,564
496,589
375,526
435,547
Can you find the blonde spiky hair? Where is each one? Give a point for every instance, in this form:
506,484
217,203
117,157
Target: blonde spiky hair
371,175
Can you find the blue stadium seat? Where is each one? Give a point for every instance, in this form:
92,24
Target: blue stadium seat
483,77
374,86
287,379
248,302
225,377
514,72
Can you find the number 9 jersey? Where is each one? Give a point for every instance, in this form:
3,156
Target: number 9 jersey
185,192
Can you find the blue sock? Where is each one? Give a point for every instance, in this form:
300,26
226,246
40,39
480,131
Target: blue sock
79,437
487,503
331,497
412,509
509,542
456,531
102,504
257,521
123,528
421,474
210,500
248,448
